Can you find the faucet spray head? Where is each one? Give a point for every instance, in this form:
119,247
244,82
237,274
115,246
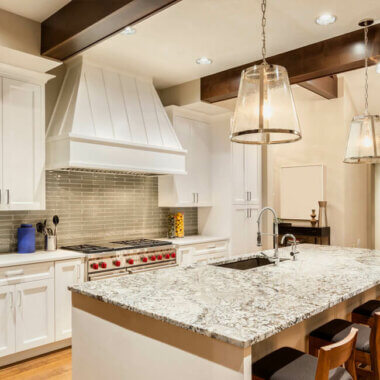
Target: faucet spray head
259,244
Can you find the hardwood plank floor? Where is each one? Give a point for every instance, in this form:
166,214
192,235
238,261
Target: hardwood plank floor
54,366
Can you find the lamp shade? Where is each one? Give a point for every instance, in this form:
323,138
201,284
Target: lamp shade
363,144
265,112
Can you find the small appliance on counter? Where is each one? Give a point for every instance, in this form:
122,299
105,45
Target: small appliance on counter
26,239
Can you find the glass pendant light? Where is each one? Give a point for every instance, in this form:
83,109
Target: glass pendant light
363,145
265,112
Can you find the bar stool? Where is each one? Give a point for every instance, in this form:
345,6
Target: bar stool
367,345
363,313
290,364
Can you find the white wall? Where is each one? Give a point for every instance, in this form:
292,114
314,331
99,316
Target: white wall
325,125
19,33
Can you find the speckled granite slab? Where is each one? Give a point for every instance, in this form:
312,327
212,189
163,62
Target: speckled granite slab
244,307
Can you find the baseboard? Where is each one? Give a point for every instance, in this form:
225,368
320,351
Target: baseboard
19,356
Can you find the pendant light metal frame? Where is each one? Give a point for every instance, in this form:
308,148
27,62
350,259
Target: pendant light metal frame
265,70
372,119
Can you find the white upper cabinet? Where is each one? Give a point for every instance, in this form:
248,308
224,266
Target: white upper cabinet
194,188
246,174
22,147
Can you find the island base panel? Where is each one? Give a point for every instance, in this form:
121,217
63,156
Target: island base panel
111,341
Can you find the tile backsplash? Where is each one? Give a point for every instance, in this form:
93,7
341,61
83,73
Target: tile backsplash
97,207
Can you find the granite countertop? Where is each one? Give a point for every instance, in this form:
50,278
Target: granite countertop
244,307
195,239
10,259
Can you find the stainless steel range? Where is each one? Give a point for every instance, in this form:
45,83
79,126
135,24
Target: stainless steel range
119,258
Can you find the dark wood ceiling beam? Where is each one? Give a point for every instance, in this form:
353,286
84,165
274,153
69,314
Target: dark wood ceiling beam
325,58
326,87
82,23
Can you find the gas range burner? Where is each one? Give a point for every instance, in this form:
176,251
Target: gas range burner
141,243
88,248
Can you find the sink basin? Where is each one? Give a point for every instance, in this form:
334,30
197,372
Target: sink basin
248,264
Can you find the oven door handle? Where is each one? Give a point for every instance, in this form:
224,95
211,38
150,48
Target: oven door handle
104,275
146,269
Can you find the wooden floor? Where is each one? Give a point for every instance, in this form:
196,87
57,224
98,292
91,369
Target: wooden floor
54,366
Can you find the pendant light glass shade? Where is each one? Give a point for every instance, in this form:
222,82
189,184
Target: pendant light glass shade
265,112
363,144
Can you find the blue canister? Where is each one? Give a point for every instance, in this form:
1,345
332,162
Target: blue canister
26,239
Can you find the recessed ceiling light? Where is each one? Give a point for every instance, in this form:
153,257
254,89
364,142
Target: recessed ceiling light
128,31
325,19
378,68
204,61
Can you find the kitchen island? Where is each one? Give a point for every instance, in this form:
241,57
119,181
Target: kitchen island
210,322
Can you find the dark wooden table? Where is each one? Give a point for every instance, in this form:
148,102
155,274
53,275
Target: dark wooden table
306,234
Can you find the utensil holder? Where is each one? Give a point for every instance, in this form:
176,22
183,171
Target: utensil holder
50,243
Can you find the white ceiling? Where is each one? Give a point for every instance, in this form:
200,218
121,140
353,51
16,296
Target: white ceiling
166,45
37,10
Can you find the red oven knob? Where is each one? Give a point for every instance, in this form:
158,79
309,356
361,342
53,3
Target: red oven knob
117,263
130,261
159,257
144,259
95,266
103,265
167,256
153,258
173,255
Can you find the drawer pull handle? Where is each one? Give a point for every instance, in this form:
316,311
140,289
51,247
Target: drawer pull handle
14,272
211,246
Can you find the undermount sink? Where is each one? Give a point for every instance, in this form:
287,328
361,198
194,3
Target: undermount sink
248,264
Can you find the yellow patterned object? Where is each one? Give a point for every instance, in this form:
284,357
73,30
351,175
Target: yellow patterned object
179,225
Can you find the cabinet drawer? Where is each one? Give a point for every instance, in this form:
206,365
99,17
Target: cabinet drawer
210,248
25,273
210,256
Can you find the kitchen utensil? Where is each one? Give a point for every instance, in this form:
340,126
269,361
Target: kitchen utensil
55,222
40,228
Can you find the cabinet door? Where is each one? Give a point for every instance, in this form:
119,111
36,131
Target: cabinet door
252,173
184,184
239,194
34,314
23,146
67,273
201,162
239,230
7,321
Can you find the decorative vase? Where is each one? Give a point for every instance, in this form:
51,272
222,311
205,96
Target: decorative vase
322,216
171,226
180,228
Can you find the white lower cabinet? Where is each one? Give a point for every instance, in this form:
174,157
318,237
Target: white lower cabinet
34,314
67,273
244,230
7,320
35,304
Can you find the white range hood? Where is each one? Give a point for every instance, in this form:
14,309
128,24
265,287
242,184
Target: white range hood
111,121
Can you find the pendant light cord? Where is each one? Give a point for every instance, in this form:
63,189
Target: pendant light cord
366,69
263,24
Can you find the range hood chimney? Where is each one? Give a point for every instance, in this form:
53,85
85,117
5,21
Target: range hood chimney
111,122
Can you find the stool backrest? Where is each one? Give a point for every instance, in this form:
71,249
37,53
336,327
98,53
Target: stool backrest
336,354
374,323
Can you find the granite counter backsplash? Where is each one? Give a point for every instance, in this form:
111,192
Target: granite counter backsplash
97,207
